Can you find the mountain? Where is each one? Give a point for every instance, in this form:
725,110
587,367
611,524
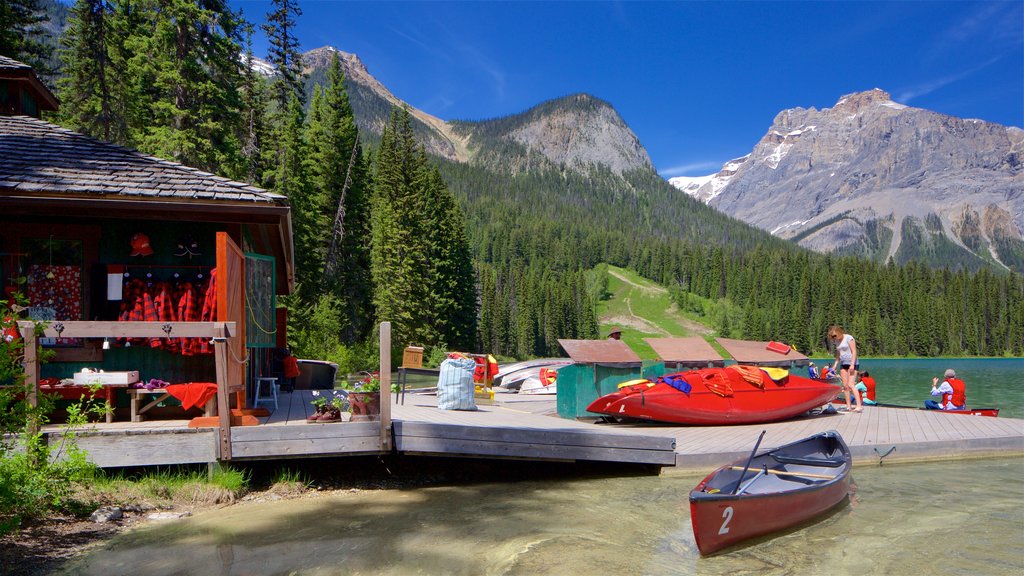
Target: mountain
372,102
880,179
578,131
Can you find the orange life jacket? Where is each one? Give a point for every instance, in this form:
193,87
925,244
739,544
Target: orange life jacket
869,383
958,399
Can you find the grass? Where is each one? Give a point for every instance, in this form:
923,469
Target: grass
644,309
167,487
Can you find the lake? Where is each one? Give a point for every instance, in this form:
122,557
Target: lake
942,518
991,383
937,518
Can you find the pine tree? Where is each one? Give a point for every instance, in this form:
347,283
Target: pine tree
186,62
93,99
452,301
423,278
339,180
254,130
396,256
20,34
284,52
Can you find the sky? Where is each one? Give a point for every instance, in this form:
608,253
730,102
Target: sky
698,82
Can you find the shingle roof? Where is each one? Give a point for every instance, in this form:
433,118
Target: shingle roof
41,157
6,62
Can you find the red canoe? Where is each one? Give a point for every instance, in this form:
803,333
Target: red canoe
731,395
780,488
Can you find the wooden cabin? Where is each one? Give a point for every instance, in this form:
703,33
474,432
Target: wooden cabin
89,228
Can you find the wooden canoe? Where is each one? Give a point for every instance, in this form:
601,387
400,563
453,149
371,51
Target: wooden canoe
782,487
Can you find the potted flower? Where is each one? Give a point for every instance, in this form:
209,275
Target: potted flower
329,406
365,398
320,404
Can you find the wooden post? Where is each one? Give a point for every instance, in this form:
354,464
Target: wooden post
28,334
220,350
385,386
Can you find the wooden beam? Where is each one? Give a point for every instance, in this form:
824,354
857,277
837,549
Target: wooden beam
385,386
98,329
786,473
31,351
220,352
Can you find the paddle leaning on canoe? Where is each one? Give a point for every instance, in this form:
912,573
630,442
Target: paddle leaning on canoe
772,491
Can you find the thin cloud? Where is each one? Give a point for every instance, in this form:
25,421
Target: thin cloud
926,88
485,65
700,168
995,24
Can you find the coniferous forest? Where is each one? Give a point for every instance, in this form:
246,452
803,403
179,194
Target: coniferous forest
464,256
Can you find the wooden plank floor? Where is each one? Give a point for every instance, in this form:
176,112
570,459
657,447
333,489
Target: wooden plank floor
527,427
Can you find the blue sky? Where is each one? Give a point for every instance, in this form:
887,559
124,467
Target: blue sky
698,82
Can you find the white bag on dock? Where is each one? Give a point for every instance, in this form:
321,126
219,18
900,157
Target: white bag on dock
455,385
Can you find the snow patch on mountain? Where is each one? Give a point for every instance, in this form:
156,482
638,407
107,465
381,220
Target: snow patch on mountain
706,188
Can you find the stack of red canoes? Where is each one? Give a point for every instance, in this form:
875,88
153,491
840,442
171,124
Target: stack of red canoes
731,395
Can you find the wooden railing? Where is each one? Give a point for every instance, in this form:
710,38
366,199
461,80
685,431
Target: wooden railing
219,332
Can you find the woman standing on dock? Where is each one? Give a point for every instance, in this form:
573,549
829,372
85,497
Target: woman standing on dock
845,347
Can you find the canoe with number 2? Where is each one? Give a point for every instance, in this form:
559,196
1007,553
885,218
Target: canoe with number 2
772,491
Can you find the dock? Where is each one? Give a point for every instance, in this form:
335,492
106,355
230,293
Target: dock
527,428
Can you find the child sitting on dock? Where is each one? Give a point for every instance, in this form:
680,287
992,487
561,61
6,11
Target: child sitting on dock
866,389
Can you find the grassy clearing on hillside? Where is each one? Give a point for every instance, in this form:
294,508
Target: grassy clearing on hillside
644,309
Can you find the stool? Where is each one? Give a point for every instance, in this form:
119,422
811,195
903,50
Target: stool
273,391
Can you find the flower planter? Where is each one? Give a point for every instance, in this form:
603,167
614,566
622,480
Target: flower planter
365,406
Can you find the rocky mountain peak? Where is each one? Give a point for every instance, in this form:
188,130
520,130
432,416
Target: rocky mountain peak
321,58
581,131
885,180
859,100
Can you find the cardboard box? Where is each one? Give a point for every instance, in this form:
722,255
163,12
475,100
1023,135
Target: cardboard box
87,378
412,357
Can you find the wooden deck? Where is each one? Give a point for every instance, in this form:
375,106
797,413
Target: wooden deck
526,427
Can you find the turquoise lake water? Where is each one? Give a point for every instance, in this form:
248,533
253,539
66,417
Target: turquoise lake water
991,383
941,518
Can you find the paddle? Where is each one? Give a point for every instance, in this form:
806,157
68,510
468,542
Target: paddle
787,473
749,460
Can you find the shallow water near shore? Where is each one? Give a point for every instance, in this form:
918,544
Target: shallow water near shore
936,518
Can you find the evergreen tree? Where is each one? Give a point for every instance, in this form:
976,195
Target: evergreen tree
423,279
452,299
284,51
21,33
254,128
93,99
339,180
185,61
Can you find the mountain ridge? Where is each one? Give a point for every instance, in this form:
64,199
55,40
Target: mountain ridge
823,178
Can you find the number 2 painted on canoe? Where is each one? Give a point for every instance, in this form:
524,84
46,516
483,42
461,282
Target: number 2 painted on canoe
726,518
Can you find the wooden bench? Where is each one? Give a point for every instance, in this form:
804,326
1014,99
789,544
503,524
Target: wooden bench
138,395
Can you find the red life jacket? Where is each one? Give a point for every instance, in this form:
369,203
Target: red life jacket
958,399
290,365
869,383
486,369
